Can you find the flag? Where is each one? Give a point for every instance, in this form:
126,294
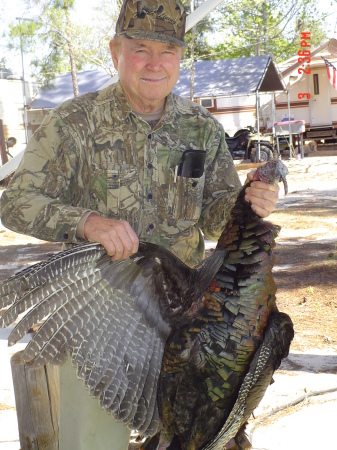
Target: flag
332,73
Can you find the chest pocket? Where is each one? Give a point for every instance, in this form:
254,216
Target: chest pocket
185,199
123,193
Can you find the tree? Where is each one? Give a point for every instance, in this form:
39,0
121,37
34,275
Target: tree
267,27
242,28
236,28
197,37
196,40
94,42
58,45
192,48
3,65
53,31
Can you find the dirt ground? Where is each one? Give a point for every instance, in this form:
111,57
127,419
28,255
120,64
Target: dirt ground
305,273
305,270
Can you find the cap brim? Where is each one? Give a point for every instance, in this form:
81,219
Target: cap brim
148,36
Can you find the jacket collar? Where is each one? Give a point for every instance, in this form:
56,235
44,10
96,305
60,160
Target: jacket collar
123,109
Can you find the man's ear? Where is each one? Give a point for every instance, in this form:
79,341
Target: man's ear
114,52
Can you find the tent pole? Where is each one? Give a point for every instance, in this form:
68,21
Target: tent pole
273,113
202,11
273,118
258,154
291,149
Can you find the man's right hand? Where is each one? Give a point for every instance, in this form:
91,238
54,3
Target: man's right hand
117,237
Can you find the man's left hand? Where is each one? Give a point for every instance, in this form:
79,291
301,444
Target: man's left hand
263,197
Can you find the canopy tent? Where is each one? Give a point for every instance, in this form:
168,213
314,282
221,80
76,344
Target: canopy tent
61,89
220,78
230,77
254,75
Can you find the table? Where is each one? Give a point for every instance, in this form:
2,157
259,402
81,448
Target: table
297,128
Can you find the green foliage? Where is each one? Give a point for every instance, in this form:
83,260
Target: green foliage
198,40
247,28
45,38
3,65
94,42
235,29
53,38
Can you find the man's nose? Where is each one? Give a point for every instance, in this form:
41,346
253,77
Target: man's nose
154,62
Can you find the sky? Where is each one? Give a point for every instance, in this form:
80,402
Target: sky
10,9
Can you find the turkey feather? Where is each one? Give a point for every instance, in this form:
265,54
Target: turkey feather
185,353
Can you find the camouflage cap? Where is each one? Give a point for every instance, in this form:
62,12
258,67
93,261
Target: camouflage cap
154,20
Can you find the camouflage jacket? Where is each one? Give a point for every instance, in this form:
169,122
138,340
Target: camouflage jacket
93,153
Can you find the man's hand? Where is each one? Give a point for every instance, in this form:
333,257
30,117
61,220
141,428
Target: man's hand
116,236
263,197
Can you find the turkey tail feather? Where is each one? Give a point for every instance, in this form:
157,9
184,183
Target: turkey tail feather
274,348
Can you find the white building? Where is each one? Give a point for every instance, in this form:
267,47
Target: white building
14,120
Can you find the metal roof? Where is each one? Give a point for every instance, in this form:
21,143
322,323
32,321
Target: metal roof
240,76
60,89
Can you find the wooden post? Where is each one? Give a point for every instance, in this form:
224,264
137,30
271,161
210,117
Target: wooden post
249,166
3,153
36,392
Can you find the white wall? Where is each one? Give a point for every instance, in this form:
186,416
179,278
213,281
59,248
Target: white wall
11,110
298,84
240,112
236,112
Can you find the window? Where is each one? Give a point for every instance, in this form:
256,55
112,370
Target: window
316,84
207,102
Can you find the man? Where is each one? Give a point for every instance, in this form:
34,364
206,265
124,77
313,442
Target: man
105,166
100,153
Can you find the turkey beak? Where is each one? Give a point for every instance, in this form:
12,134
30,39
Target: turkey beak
285,184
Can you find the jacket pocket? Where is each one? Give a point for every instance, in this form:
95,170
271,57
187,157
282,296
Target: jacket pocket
185,198
123,193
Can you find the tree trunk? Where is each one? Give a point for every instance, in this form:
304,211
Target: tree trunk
192,57
73,67
71,55
258,43
192,74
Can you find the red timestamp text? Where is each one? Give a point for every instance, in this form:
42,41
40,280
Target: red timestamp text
304,59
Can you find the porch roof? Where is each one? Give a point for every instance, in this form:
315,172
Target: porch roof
329,49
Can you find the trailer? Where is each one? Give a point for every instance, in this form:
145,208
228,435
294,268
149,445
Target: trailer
310,96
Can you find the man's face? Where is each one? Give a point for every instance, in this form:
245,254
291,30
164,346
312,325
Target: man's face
147,70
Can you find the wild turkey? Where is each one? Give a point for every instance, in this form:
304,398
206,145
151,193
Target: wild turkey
183,354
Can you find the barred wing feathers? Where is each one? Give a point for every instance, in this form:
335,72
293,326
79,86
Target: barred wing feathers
112,318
